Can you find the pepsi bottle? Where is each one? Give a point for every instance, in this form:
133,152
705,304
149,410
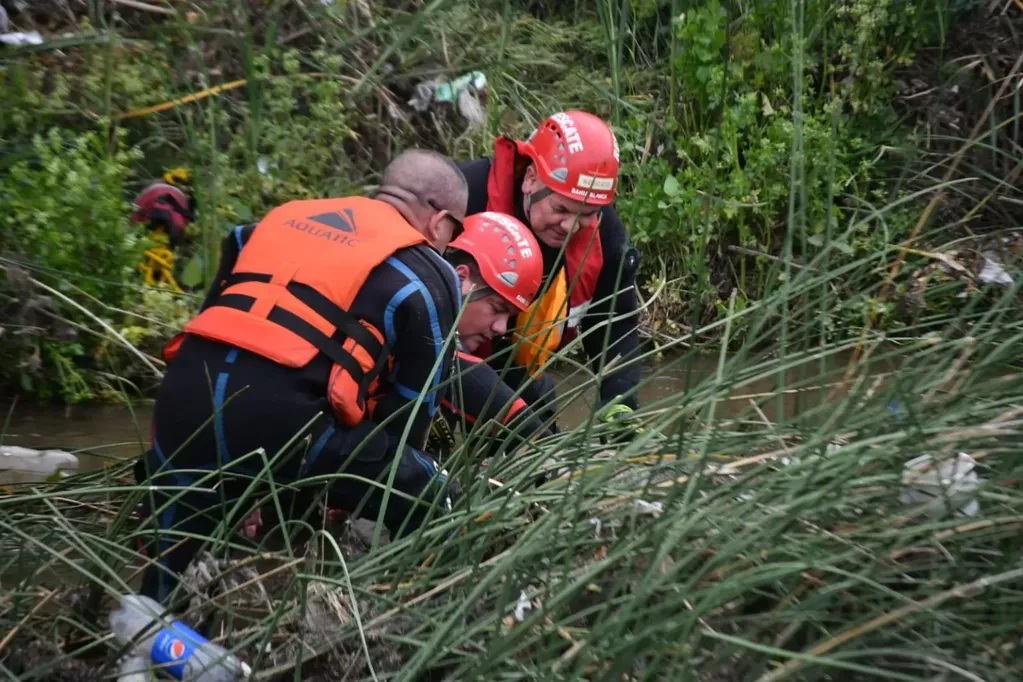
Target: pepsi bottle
171,645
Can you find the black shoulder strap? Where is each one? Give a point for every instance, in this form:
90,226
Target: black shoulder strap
346,326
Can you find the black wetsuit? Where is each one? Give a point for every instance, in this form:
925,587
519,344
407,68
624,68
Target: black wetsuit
477,395
217,405
615,297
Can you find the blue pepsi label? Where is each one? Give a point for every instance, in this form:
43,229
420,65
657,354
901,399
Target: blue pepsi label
173,646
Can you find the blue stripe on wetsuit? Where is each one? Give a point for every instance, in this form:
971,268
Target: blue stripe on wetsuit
166,519
221,387
416,284
218,406
314,452
391,336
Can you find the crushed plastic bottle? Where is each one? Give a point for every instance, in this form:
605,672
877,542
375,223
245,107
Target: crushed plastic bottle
931,482
134,669
176,648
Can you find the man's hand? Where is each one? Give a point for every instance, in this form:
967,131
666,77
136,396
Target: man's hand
620,425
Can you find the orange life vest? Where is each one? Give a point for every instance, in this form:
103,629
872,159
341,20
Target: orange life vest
552,320
288,296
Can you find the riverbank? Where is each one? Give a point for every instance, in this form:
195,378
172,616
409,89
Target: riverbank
753,545
100,434
887,175
824,193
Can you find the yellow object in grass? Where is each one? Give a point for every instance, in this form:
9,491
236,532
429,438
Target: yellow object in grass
177,177
158,263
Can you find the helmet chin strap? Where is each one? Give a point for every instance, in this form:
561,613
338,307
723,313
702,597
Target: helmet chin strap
537,196
476,294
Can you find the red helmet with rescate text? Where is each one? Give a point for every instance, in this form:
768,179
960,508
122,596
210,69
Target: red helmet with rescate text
506,253
576,155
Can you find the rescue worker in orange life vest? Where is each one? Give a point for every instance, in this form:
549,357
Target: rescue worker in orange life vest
562,182
497,260
325,315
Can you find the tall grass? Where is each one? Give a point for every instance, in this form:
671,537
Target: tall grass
754,542
779,549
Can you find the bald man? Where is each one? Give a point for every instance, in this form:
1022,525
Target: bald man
256,370
418,183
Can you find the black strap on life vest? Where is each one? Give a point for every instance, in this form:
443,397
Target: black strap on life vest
345,324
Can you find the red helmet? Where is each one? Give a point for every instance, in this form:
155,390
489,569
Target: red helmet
506,253
164,205
576,155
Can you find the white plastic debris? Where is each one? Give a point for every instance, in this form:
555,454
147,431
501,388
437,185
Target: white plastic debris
652,508
471,109
955,478
15,458
523,607
993,272
18,39
134,669
463,92
422,95
722,470
595,522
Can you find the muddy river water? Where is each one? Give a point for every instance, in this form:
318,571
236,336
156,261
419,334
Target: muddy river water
115,431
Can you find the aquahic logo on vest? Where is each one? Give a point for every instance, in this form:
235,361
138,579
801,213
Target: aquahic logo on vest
336,226
345,223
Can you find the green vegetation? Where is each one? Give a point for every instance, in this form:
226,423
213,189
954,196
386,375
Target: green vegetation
816,187
750,132
749,547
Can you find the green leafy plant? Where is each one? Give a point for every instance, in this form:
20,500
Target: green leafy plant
65,222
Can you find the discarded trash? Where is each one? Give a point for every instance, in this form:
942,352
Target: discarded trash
993,272
18,39
134,669
447,92
722,470
653,508
470,108
462,92
179,650
523,607
595,522
15,458
954,477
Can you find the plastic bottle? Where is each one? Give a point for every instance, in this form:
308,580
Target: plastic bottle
133,668
176,648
